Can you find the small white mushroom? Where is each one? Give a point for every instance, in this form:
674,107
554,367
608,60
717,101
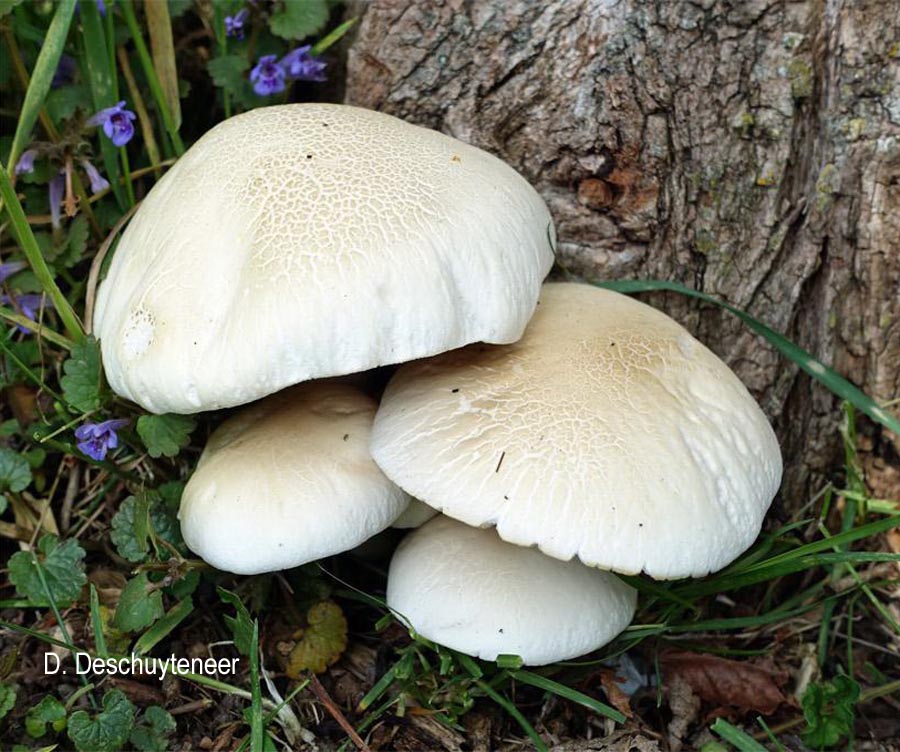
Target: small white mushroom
465,588
289,480
608,433
309,240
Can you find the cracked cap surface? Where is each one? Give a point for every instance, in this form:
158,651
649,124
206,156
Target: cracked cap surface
311,240
607,432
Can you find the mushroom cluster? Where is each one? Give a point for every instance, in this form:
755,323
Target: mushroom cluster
293,246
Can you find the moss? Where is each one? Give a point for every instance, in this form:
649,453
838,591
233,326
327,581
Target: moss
704,242
800,73
826,186
744,124
854,128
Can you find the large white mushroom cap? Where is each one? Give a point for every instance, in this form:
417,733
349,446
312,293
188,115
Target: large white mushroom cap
465,588
608,433
289,480
310,240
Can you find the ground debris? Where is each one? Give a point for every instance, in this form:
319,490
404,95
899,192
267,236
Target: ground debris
624,741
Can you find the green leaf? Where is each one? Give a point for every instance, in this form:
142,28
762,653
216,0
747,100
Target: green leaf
62,568
151,732
108,730
299,18
321,643
15,473
143,515
76,243
139,605
165,435
179,7
228,72
241,625
49,710
829,708
6,6
62,103
7,699
82,376
170,493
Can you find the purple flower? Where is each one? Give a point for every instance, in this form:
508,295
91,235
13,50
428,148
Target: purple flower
10,268
234,25
29,304
65,71
267,77
96,439
98,182
26,162
57,191
301,66
116,122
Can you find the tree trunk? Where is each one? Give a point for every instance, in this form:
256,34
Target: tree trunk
749,149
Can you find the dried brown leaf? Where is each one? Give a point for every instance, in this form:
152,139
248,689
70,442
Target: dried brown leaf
617,698
737,684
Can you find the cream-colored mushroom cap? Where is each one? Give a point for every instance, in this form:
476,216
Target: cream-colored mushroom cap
308,240
608,433
288,480
465,588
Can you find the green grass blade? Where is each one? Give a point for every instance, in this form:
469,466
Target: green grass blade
379,689
469,665
841,539
835,383
332,37
513,711
150,73
567,693
40,329
159,26
163,626
41,77
257,724
733,735
101,79
32,251
783,568
97,624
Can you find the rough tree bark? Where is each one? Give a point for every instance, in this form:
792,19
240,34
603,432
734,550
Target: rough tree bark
749,149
